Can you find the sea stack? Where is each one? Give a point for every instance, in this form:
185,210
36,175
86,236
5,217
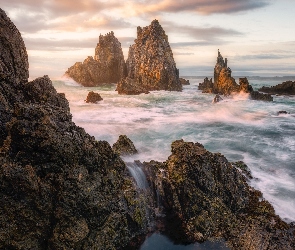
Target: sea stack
225,84
150,63
107,66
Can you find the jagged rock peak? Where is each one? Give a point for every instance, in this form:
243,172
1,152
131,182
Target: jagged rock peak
14,58
150,63
107,66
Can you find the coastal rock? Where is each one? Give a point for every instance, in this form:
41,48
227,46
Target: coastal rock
124,146
285,88
283,112
217,98
225,84
93,97
184,81
206,86
59,187
204,196
107,66
150,63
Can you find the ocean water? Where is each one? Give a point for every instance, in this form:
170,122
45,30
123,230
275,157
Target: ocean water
239,128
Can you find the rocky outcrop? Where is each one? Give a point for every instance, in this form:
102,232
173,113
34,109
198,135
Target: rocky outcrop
225,84
150,63
124,146
184,81
285,88
107,66
217,98
204,196
59,187
206,85
93,97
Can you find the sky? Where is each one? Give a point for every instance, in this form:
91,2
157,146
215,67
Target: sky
257,36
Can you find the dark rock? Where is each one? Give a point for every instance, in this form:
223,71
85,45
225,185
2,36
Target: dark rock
93,97
255,95
14,63
283,112
107,66
217,98
285,88
150,63
59,187
184,81
205,196
206,86
124,146
225,84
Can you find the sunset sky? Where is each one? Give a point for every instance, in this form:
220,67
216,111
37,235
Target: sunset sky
257,36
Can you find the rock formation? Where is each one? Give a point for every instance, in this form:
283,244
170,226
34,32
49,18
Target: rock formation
93,97
59,187
150,63
204,196
184,81
285,88
217,98
124,146
225,84
107,66
206,85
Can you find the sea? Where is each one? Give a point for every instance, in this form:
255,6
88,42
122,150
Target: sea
239,128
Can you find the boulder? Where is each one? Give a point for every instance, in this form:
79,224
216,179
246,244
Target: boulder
217,98
150,63
184,81
107,66
124,146
205,197
206,86
285,88
93,97
59,187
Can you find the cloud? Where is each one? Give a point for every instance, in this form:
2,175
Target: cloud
267,55
69,44
205,7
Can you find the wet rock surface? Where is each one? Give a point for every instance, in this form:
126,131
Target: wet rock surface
107,66
204,196
150,63
285,88
93,97
225,84
124,146
59,187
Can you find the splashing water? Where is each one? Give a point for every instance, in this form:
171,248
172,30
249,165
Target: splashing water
239,128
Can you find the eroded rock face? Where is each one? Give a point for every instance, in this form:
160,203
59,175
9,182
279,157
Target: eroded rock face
93,97
225,84
124,146
14,63
203,196
59,187
150,63
285,88
107,66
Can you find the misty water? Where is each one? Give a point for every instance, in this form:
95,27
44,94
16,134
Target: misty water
239,128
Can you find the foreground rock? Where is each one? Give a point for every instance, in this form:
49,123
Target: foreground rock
124,146
107,66
285,88
204,196
150,63
59,187
93,97
225,84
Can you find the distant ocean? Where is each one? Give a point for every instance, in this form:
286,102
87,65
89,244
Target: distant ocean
239,128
